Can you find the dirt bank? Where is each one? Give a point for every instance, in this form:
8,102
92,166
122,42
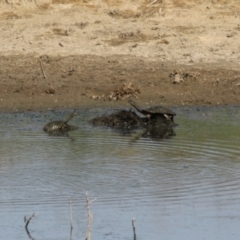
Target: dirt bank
100,53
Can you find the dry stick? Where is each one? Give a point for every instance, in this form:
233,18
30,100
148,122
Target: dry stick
68,119
154,1
134,230
28,220
160,11
43,73
70,212
90,216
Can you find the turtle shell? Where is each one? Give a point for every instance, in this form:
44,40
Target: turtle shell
58,126
153,111
158,110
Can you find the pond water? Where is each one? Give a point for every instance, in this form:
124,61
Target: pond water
185,187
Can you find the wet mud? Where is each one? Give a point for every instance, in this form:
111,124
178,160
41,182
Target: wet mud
93,81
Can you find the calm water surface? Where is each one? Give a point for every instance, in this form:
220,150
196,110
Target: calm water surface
186,187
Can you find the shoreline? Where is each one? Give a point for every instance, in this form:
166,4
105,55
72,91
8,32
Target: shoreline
85,81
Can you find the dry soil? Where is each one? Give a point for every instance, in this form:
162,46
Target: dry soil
74,54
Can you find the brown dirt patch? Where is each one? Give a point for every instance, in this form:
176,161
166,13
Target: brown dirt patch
175,52
87,81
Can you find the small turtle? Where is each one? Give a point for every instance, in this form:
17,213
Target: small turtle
154,111
60,126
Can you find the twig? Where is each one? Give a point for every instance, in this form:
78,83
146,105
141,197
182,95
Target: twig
160,11
154,1
90,216
134,229
29,235
70,234
70,212
27,221
43,73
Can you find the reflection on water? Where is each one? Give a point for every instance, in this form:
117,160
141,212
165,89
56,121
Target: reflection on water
187,187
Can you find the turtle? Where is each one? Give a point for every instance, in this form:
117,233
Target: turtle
60,126
152,112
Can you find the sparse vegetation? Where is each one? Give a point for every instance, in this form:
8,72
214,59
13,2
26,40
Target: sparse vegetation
93,47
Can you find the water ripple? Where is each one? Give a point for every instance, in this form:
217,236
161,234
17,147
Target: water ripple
193,174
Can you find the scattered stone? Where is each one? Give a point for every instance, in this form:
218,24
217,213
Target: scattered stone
128,90
179,76
50,90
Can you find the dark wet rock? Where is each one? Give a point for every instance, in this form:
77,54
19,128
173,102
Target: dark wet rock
60,128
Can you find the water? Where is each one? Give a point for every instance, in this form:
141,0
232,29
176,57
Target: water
186,187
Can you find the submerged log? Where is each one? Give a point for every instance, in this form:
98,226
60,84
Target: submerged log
121,120
126,120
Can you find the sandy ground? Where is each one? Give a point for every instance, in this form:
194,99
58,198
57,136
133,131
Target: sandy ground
74,54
